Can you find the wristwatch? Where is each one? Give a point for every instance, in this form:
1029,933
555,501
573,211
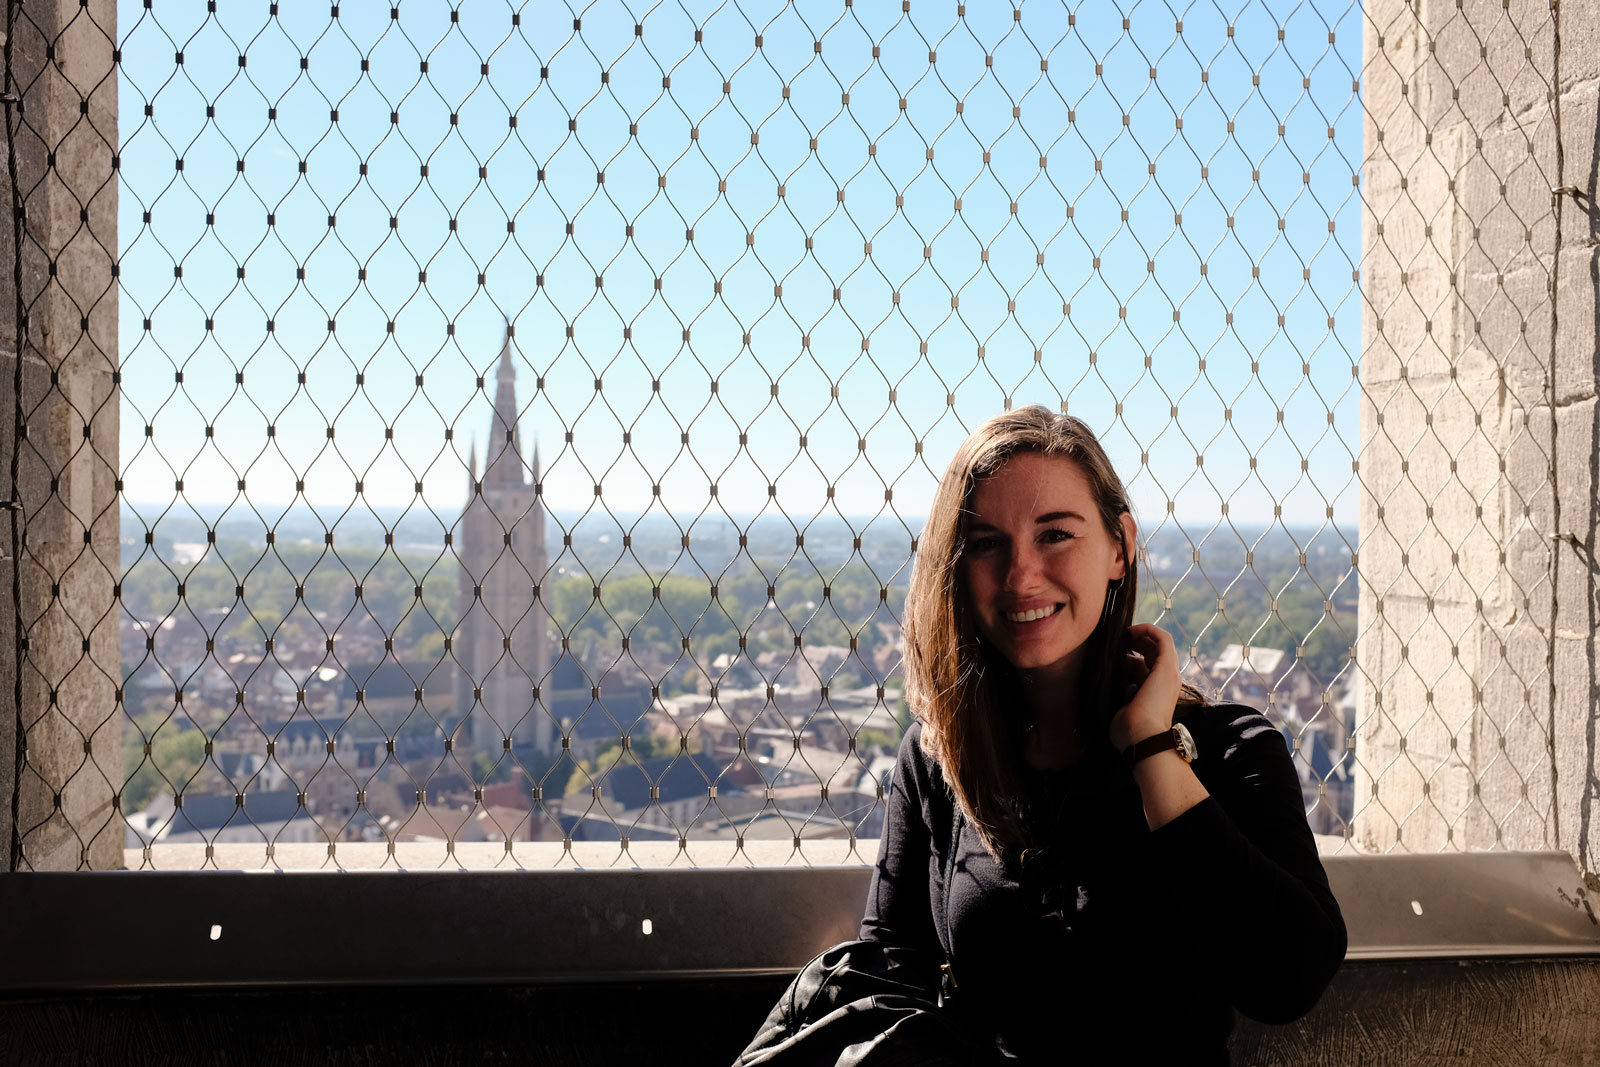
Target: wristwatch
1178,738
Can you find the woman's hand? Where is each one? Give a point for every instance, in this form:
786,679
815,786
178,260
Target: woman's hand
1153,664
1166,783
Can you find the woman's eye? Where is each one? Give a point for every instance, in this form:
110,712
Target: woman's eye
982,544
1054,536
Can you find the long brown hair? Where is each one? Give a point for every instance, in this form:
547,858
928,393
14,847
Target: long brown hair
966,694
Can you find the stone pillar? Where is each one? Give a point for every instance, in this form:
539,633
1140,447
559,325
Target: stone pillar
1476,717
65,139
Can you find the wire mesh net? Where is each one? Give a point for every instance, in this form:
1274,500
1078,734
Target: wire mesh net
499,435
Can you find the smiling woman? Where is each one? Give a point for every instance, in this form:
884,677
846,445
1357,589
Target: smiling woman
1030,516
1075,841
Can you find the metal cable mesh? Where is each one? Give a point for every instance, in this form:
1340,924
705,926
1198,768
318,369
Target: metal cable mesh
519,420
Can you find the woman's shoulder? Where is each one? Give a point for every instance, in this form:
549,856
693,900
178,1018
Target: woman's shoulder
917,767
1227,731
913,754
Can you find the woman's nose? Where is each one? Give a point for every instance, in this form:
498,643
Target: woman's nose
1022,567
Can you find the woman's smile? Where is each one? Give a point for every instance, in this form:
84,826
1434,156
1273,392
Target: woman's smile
1031,615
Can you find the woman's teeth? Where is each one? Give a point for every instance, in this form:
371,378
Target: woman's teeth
1029,616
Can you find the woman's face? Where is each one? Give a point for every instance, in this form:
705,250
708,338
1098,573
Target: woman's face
1037,563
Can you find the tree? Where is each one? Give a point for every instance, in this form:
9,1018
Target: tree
610,754
174,753
487,770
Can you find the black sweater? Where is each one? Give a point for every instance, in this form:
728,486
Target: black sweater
1114,943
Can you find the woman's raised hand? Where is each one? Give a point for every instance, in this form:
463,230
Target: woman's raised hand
1153,665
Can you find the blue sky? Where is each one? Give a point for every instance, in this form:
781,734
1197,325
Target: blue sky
946,303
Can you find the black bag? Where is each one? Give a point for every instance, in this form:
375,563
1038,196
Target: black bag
868,1004
860,1004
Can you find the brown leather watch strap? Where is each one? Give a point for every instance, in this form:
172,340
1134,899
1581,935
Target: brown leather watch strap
1150,746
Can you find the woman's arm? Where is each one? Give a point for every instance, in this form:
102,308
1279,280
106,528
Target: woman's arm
1247,876
1232,832
899,909
1167,786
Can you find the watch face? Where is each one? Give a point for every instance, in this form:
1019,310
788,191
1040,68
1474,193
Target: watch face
1186,746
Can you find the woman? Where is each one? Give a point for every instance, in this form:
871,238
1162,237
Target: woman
1104,887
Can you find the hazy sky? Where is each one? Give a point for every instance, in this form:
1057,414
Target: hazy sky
1022,120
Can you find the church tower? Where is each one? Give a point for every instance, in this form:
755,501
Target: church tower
501,642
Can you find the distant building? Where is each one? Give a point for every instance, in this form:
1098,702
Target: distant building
501,643
394,711
1263,662
661,798
253,818
252,770
1327,786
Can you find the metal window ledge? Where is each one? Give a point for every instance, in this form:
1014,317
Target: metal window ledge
145,930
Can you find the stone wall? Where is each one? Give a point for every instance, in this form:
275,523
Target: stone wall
1475,657
65,136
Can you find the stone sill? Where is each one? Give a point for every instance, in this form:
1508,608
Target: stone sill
78,932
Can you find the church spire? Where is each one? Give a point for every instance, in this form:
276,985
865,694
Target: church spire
503,459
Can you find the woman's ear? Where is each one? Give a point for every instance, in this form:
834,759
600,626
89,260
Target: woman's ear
1130,543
